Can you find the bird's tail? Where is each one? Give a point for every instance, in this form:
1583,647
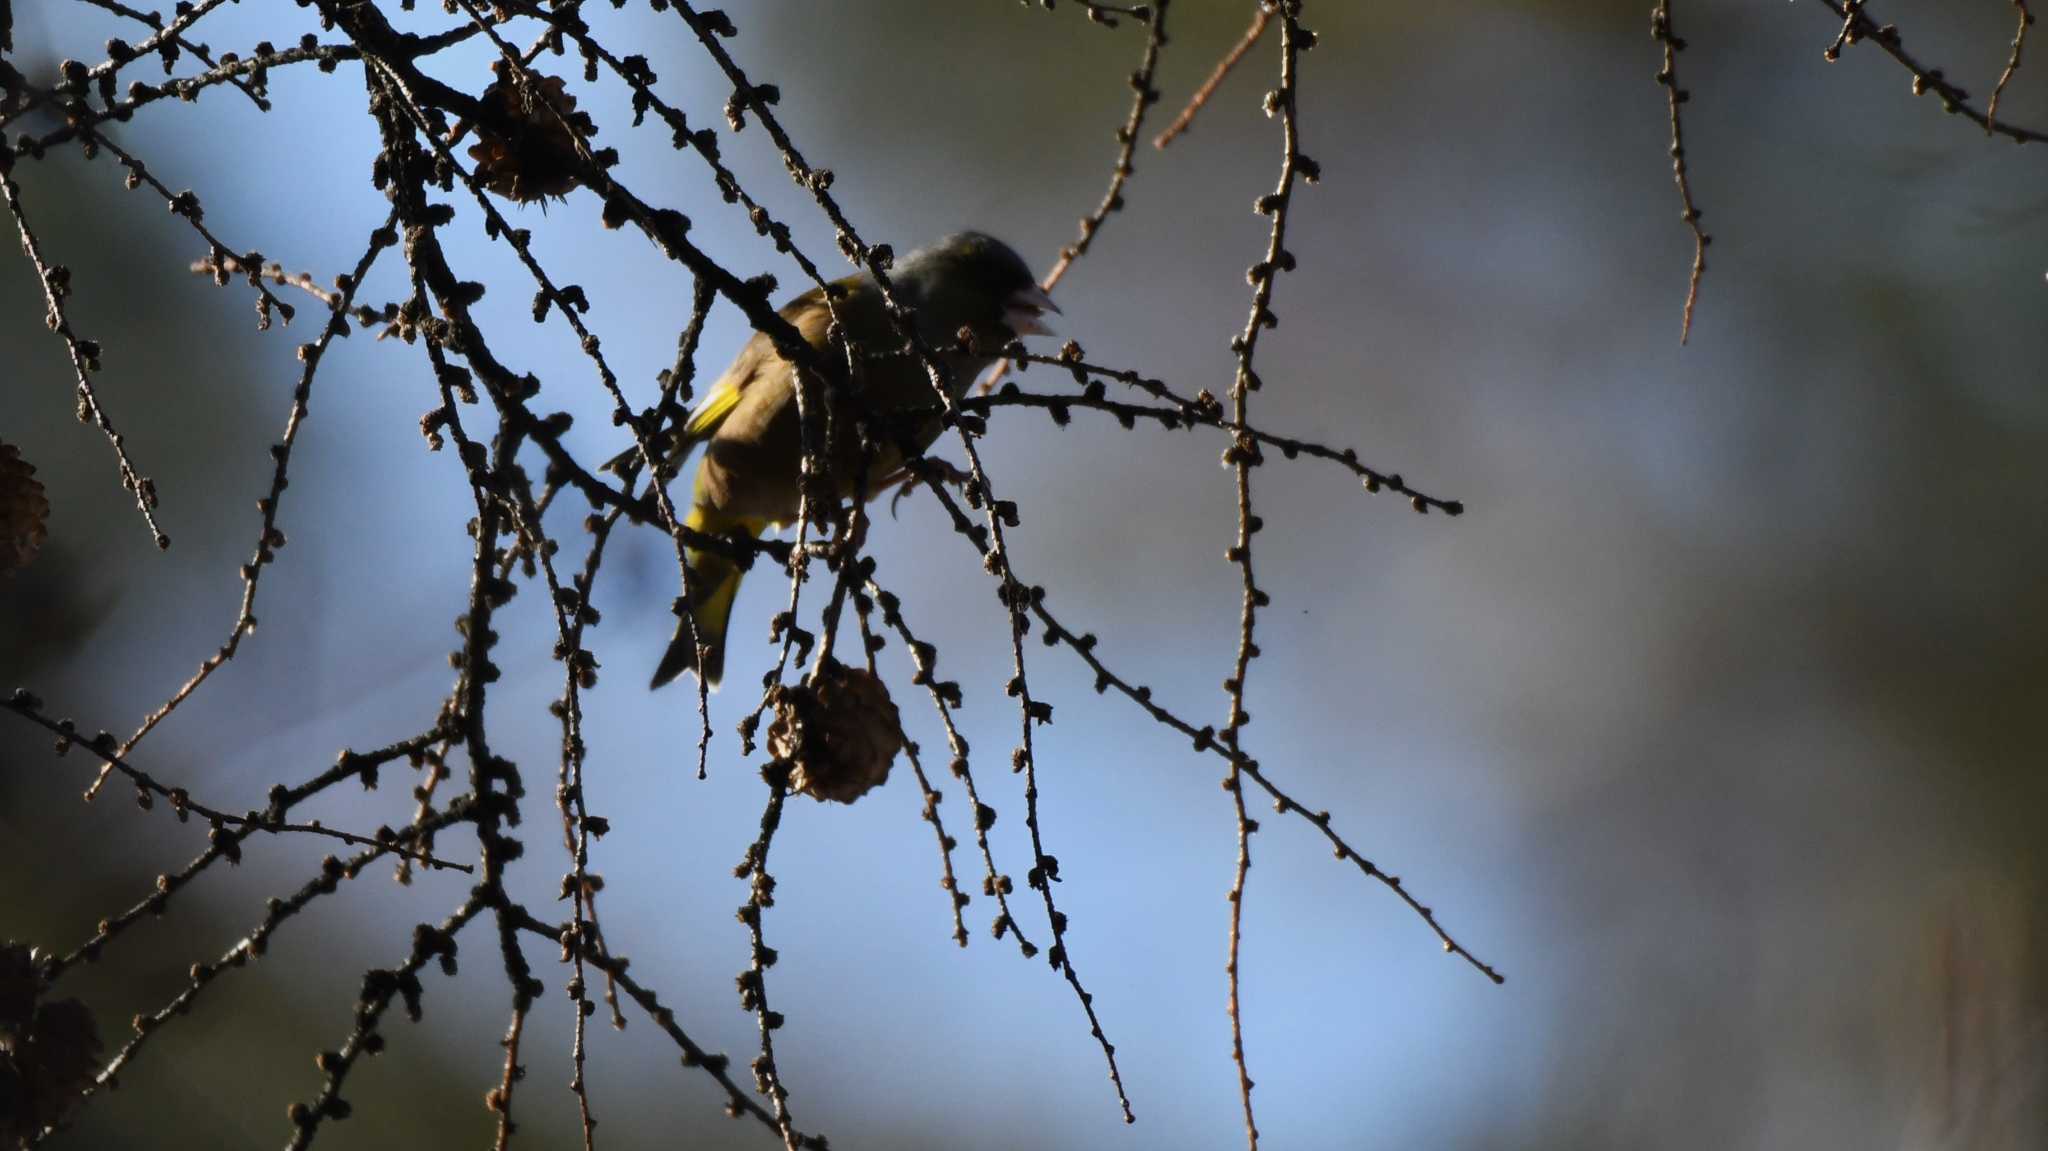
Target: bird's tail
714,581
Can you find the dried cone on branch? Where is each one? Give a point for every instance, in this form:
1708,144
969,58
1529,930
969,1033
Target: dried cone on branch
24,511
839,733
528,133
48,1053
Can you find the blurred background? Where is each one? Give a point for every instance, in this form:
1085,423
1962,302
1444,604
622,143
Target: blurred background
1715,723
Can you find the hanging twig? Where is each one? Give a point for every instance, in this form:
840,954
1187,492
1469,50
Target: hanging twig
1203,94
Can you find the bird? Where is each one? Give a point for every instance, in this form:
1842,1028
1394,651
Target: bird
972,295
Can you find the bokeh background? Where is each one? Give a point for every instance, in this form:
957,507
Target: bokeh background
1716,722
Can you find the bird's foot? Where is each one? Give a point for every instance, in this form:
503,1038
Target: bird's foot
905,480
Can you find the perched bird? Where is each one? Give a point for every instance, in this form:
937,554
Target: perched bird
748,421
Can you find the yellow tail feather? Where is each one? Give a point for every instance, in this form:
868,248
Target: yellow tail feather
714,582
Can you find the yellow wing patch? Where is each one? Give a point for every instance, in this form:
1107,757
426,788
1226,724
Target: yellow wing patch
711,411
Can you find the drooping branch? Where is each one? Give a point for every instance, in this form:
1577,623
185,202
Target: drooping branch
1857,26
84,354
1675,97
2012,64
102,746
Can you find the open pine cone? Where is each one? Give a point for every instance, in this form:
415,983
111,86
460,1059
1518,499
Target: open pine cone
839,733
24,511
526,137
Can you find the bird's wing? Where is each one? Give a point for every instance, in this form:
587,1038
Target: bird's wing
723,396
807,313
809,316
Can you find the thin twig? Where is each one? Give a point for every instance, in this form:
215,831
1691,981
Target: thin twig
1242,456
2012,64
246,950
80,119
1201,409
1084,644
1858,26
1660,30
380,987
714,1064
945,696
55,280
102,747
500,1099
753,982
1145,95
269,537
956,900
1221,72
156,22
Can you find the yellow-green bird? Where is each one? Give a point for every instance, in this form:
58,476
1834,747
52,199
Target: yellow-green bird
748,481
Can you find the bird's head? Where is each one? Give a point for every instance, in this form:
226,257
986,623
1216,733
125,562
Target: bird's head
975,281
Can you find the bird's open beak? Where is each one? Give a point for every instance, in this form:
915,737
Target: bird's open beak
1024,312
